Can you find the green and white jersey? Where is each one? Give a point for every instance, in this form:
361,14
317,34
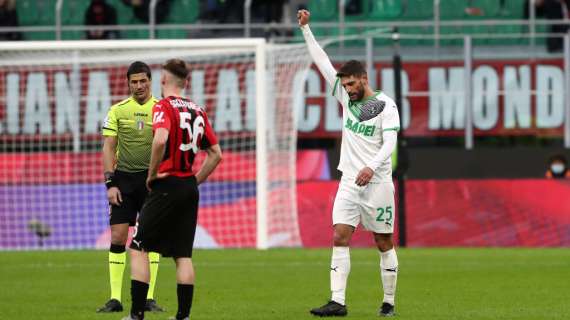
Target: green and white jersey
363,121
131,123
363,124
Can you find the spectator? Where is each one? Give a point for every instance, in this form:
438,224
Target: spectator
553,10
270,10
353,7
211,10
101,13
141,8
556,10
557,167
538,5
232,11
9,18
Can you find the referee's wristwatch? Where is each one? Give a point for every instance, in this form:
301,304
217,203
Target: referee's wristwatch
109,179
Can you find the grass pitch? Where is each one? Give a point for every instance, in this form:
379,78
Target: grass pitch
286,283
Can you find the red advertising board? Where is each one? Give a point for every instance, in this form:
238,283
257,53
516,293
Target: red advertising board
510,97
474,213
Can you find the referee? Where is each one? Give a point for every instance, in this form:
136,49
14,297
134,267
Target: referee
127,131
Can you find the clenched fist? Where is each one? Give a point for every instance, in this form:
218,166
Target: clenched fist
303,17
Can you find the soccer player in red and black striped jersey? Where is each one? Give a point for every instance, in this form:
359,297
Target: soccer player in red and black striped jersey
167,223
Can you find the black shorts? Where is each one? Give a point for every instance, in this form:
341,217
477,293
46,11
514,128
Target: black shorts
133,192
167,222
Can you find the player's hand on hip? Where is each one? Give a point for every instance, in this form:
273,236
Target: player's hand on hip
150,179
114,196
303,17
364,176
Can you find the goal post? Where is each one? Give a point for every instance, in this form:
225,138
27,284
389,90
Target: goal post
262,236
55,95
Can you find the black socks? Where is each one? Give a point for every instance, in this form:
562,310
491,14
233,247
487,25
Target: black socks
185,293
138,296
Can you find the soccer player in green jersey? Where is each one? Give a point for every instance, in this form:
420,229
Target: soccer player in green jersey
126,154
366,192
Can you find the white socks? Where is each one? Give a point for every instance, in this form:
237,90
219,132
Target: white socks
389,273
340,268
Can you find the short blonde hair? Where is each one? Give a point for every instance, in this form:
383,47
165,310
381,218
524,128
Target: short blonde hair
178,69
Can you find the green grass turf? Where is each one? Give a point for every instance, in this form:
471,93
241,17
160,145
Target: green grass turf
286,283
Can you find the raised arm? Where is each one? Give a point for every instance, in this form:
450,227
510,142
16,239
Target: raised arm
317,53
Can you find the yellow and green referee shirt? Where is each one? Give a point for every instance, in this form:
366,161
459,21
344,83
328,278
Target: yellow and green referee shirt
131,123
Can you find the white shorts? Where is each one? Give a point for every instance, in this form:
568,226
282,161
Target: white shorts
371,205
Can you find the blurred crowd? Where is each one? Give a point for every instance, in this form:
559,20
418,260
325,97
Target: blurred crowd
211,11
102,13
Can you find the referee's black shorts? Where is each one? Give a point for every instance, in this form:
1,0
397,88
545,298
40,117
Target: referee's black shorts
133,192
167,222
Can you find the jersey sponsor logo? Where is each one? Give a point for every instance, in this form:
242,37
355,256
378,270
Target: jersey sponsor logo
140,114
140,124
371,109
360,128
158,117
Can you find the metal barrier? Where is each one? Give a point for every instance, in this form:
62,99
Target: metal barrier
342,24
468,100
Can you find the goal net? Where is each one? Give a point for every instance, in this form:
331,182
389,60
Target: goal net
54,97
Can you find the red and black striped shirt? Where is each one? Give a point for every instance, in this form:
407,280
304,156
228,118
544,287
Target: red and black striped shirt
189,131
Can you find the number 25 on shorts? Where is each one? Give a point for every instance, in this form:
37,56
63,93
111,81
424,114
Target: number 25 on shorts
385,215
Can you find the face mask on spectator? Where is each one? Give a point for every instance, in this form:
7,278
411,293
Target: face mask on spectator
557,168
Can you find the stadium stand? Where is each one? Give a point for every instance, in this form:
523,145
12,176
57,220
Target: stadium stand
73,14
28,15
406,13
126,16
181,12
